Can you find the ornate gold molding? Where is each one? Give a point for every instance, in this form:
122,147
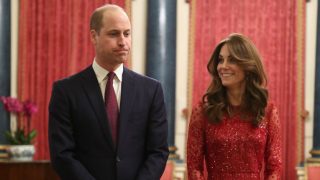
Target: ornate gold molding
128,10
300,66
315,152
314,160
173,154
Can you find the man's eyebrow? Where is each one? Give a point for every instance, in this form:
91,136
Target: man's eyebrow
118,30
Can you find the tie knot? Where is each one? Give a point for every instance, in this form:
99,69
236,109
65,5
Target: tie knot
111,75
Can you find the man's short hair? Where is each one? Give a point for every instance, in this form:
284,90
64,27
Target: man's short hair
97,16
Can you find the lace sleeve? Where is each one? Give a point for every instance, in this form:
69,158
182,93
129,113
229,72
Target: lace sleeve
273,149
195,146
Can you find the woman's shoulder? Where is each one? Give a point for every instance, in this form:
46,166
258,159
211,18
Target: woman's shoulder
271,112
270,107
198,106
198,112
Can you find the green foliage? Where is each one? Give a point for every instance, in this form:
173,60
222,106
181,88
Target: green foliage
20,137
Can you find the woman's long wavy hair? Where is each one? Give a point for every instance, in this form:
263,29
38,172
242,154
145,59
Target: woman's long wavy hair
254,100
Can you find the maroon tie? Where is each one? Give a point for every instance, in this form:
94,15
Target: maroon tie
112,106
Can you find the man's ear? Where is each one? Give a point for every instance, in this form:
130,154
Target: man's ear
93,35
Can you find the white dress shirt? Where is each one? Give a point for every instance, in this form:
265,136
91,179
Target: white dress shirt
102,76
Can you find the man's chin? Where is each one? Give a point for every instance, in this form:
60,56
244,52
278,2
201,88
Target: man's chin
122,59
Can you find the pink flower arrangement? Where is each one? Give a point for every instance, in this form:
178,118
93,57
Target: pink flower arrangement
24,111
11,104
29,108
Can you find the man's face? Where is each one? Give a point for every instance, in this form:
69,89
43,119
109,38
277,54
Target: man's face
113,42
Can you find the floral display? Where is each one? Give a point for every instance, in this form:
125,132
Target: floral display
24,111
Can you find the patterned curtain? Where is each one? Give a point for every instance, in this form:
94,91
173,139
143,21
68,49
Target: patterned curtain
54,42
276,28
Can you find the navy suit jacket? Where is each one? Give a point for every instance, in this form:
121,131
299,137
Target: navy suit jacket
81,147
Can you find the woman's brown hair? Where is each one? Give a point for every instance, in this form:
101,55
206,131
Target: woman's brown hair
215,101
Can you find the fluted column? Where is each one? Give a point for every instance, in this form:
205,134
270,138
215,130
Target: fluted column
4,64
161,54
315,152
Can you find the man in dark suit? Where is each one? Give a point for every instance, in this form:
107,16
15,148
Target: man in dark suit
103,133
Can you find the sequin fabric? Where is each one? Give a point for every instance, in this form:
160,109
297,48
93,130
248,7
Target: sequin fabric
234,149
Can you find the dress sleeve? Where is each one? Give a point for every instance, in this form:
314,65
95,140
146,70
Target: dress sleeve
273,157
195,145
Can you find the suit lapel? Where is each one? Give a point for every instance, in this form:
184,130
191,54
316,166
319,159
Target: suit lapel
92,89
128,91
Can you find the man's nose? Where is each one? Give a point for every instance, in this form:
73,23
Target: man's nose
121,40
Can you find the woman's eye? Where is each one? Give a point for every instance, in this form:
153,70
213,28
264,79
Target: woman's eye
232,60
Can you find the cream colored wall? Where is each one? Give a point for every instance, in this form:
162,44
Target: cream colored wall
14,55
181,74
311,22
139,33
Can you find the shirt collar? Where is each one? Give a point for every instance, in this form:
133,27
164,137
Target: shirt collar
101,73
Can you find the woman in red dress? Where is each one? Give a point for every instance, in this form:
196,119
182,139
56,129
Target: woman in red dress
235,128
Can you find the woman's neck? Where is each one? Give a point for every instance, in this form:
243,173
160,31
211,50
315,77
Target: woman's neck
235,96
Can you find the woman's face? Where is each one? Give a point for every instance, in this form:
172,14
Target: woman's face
231,74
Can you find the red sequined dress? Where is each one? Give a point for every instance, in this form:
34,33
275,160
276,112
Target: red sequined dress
234,149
